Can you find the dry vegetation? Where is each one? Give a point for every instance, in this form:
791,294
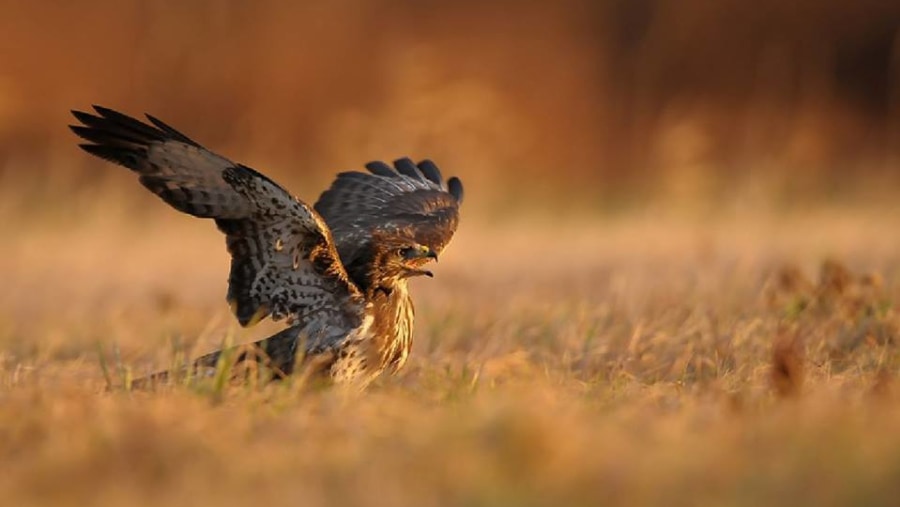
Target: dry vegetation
733,343
639,360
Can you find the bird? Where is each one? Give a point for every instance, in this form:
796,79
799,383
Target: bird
336,272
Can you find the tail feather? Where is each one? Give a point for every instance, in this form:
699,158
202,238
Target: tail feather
277,352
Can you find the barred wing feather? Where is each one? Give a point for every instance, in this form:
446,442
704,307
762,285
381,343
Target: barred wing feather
284,261
407,197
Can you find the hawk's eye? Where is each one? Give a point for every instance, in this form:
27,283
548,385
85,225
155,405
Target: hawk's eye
408,252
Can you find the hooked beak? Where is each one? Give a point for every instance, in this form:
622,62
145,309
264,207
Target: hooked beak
433,255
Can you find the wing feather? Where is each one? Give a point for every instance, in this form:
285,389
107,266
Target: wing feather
171,132
454,186
430,170
407,167
409,198
379,168
284,261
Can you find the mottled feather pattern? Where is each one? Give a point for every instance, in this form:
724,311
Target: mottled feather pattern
189,179
290,260
283,262
408,196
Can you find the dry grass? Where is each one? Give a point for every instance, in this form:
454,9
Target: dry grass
643,360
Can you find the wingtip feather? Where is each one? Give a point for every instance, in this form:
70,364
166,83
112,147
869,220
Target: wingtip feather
407,167
431,171
379,168
455,187
165,127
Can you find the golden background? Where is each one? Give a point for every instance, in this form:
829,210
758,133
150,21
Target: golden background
613,100
675,279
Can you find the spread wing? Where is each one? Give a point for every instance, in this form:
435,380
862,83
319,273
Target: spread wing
284,262
408,198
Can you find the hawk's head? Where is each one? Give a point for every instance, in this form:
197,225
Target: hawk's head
400,258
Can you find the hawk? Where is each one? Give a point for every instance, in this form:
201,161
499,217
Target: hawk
336,271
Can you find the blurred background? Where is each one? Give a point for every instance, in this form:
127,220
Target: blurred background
577,102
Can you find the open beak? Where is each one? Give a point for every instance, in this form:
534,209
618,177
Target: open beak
418,272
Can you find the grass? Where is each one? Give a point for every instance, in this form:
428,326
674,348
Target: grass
640,360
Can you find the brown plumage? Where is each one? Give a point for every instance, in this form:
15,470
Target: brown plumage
337,271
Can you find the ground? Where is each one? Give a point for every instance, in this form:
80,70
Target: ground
641,358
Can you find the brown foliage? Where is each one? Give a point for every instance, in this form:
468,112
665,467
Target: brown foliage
787,363
615,361
673,96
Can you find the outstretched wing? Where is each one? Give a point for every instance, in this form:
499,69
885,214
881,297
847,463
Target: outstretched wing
284,262
408,198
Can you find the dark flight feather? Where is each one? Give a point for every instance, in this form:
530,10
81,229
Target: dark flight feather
291,260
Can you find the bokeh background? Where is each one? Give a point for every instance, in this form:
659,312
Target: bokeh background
676,275
567,104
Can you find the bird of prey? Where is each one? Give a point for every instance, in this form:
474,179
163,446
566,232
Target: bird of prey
336,271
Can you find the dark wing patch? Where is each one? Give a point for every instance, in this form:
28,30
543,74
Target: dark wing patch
379,168
456,189
406,167
431,171
410,198
284,262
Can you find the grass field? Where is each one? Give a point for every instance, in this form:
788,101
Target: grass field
641,359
